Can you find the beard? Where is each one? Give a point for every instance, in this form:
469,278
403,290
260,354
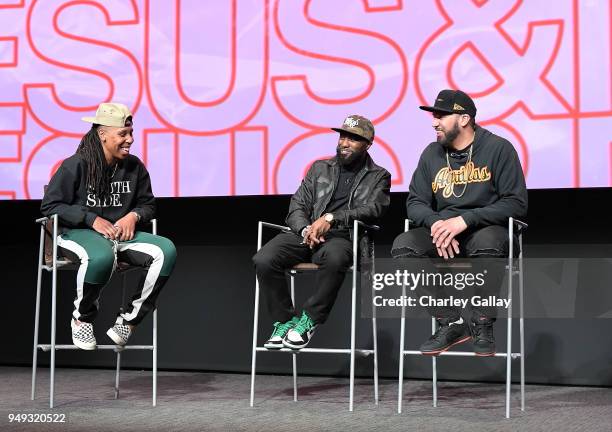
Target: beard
447,139
352,159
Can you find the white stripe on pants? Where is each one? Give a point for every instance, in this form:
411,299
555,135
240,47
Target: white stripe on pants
152,275
80,252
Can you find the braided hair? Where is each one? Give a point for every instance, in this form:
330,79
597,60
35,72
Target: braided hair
90,149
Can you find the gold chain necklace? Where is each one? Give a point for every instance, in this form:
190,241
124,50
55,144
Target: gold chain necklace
450,170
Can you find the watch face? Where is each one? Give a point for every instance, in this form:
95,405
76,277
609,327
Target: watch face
329,217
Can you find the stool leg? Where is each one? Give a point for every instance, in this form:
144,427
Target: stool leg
294,355
522,324
53,313
509,341
375,339
522,342
117,368
353,303
53,321
155,357
37,313
254,346
255,320
508,364
295,392
375,343
400,383
434,369
154,222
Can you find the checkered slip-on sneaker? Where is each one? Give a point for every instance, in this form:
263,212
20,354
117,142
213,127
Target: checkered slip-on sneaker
83,335
119,333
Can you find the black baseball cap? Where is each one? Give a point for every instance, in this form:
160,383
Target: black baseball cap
452,102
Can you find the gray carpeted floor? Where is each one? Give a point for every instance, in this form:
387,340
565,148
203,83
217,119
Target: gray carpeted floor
189,401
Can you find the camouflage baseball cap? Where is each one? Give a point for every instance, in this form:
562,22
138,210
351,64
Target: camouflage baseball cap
110,114
357,125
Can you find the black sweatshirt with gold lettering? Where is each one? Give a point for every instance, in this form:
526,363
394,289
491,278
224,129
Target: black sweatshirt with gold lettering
486,190
77,206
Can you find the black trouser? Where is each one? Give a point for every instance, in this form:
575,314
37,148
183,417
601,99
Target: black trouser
487,242
334,257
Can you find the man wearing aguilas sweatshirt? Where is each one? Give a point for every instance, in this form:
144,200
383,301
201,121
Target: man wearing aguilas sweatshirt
465,187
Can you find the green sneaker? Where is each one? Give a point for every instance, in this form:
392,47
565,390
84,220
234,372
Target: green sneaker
279,333
299,336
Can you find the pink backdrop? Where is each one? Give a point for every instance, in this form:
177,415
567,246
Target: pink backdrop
234,97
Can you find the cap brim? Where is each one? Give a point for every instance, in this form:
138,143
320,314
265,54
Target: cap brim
339,130
106,122
436,109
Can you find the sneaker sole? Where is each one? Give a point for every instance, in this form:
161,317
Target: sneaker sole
273,347
294,347
489,354
435,353
115,337
83,346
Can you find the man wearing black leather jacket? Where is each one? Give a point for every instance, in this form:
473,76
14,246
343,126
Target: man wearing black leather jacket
334,193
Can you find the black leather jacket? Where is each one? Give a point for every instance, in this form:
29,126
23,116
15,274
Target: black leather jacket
368,201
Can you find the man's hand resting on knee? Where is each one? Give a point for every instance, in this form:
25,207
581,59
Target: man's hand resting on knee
443,234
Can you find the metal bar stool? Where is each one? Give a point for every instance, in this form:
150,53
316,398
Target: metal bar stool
352,351
52,263
512,270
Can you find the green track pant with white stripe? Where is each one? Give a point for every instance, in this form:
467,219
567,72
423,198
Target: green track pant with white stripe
98,256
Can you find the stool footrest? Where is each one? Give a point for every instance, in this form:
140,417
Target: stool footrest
47,347
363,352
461,354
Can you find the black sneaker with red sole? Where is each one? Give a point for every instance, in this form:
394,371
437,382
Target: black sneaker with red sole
482,337
449,333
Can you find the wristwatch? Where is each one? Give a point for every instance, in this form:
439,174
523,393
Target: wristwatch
329,218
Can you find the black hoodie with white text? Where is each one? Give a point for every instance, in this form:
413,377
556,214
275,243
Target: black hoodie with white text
77,206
